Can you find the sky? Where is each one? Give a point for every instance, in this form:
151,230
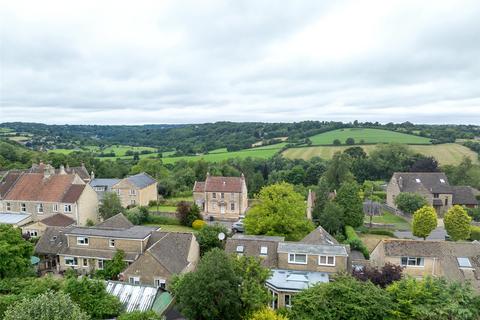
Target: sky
138,62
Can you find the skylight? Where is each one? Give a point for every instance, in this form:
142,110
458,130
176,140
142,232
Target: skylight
263,250
442,180
418,180
239,248
464,262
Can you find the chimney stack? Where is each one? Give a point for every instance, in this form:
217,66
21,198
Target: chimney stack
48,171
62,169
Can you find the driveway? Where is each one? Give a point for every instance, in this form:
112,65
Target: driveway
438,234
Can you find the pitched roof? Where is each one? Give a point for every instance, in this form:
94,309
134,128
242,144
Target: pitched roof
220,184
464,195
34,187
104,183
172,249
7,182
420,248
434,182
58,220
135,232
53,241
251,245
118,221
141,180
319,236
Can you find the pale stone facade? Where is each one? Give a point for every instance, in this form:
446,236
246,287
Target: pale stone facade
137,190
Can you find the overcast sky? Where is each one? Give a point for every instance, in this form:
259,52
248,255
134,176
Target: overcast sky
135,62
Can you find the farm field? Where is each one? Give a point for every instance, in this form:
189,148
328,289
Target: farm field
448,153
118,150
260,152
368,136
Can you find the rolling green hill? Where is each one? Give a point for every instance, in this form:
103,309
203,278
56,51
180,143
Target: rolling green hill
368,136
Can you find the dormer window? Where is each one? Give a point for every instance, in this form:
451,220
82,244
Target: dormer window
82,241
412,262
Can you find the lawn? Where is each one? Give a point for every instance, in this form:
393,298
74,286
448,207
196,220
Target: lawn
163,208
259,152
448,153
368,136
388,218
119,151
171,227
178,199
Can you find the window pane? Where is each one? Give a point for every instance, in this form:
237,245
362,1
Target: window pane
404,261
301,258
323,259
331,260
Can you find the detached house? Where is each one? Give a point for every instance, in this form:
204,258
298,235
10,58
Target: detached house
456,261
434,187
32,196
138,190
295,266
221,197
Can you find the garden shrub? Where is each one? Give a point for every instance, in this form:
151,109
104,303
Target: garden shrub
198,224
475,233
355,242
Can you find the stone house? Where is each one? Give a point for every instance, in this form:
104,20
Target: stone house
137,190
41,195
37,229
456,261
222,197
85,249
433,186
168,253
295,266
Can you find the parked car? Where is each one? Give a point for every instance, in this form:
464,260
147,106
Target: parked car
238,226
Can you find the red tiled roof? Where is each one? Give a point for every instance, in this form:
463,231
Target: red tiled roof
33,187
58,220
8,181
199,186
223,184
73,193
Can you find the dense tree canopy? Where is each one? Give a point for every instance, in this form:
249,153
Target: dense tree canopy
348,197
15,253
410,202
424,222
280,211
110,205
457,223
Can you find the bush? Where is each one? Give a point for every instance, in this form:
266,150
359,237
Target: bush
350,141
153,203
138,215
474,233
380,194
198,224
355,242
474,213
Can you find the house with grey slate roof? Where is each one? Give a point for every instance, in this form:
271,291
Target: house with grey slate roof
295,266
434,187
138,189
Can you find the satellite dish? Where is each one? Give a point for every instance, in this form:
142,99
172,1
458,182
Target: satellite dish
221,236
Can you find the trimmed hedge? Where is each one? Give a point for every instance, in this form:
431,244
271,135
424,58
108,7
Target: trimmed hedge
355,242
381,232
474,233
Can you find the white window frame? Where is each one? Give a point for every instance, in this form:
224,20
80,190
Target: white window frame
101,188
292,258
111,243
134,280
40,208
8,206
82,241
263,250
240,249
160,283
419,262
289,304
326,261
133,202
132,192
67,206
73,259
55,207
23,207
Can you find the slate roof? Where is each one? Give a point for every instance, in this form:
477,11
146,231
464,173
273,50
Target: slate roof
58,220
104,183
171,250
135,232
252,247
95,253
141,180
319,236
464,195
431,181
118,221
219,184
53,241
34,187
320,249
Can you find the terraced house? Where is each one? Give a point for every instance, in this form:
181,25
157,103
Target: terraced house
295,266
31,196
221,197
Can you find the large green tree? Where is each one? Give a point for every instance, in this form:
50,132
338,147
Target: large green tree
110,205
222,287
207,237
112,268
15,253
433,299
47,306
93,298
410,202
338,171
424,222
280,212
457,223
344,298
349,198
332,218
